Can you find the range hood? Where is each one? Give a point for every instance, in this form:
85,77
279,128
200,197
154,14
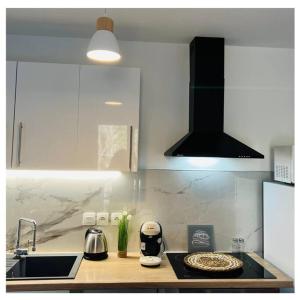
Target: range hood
206,137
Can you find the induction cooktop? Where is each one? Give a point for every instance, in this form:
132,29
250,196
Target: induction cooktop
250,270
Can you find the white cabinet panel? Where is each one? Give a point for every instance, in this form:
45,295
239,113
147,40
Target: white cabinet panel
11,69
108,118
279,226
47,109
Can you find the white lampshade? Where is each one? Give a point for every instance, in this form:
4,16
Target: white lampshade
104,47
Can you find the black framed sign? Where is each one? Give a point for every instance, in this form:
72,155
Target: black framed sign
201,238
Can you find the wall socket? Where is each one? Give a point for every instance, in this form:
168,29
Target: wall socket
115,217
89,218
102,218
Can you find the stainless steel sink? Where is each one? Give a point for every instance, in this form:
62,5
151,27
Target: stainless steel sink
43,266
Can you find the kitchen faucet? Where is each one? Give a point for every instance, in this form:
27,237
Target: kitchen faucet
19,251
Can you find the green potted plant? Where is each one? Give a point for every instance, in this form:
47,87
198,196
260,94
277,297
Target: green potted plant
123,234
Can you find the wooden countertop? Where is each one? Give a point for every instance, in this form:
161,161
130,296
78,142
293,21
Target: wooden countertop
127,272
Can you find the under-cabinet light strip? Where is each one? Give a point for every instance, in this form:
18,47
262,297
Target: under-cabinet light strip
62,174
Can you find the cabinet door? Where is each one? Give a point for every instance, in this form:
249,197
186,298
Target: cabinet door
11,69
46,112
108,118
278,218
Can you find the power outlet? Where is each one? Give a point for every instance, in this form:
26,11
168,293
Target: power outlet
89,218
115,217
102,218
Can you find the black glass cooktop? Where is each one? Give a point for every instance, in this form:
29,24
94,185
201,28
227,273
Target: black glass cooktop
250,270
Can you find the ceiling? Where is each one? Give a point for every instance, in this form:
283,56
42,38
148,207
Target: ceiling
240,26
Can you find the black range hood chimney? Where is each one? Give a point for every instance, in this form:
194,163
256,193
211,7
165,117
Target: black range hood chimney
206,137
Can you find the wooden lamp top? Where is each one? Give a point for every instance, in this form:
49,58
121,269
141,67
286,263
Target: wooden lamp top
105,23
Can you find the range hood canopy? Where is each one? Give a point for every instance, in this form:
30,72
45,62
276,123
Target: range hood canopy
206,137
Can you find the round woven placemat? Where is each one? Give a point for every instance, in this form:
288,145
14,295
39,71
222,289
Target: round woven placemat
213,262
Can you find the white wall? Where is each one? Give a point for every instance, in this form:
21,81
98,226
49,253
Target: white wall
259,95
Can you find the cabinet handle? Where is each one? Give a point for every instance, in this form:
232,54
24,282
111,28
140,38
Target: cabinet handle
20,129
130,148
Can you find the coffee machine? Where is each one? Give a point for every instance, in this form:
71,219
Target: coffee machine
151,241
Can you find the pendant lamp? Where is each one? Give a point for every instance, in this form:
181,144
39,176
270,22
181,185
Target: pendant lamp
104,46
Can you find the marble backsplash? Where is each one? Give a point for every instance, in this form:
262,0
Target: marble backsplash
231,201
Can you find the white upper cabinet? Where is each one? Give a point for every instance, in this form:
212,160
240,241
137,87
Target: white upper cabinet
68,117
46,113
108,118
11,69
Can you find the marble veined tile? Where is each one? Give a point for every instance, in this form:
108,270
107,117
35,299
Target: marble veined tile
231,201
